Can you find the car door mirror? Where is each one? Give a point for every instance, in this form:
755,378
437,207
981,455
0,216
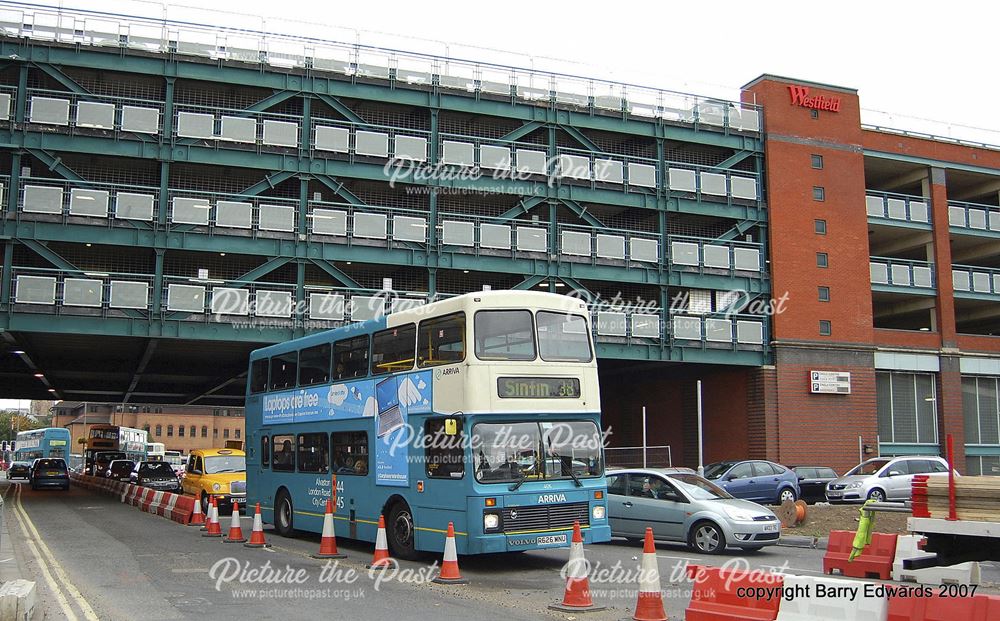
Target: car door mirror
894,473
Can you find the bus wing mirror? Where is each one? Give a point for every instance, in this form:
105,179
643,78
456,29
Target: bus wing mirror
450,427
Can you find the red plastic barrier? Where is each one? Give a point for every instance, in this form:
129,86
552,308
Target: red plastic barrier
875,561
182,508
719,594
937,608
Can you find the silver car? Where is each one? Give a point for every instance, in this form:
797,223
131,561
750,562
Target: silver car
679,505
883,478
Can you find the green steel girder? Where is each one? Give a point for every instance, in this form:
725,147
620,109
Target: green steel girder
734,159
264,269
739,229
529,282
521,208
576,284
314,83
339,188
336,272
56,74
269,181
919,291
577,135
49,255
55,164
640,351
735,211
522,131
271,100
337,105
582,213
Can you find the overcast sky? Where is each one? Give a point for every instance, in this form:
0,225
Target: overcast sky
913,60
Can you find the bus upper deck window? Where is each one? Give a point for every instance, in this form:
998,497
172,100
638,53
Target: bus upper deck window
258,375
504,335
441,340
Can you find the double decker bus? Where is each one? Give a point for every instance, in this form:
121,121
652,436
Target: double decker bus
482,410
47,442
118,442
156,451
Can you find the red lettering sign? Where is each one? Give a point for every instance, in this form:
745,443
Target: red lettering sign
801,97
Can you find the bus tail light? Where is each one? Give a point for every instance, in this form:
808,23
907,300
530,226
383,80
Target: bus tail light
598,495
598,512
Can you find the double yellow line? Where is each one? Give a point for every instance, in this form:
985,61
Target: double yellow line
64,590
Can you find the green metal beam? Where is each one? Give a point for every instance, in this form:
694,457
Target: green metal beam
337,273
577,135
270,101
576,284
344,111
269,182
582,213
738,230
522,131
264,269
50,255
529,282
55,164
522,207
341,191
734,159
56,74
140,368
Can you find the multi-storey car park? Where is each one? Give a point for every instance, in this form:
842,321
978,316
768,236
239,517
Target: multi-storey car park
176,195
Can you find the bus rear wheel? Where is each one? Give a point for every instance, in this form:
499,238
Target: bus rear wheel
283,514
400,532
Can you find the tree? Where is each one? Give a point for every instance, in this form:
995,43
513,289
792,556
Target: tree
11,422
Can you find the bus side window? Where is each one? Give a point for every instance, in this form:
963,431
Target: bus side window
284,454
444,454
265,452
314,365
441,340
313,452
350,452
393,349
258,375
284,370
350,358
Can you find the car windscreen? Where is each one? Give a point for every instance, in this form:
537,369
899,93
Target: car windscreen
122,467
156,469
714,471
869,467
225,463
50,464
698,488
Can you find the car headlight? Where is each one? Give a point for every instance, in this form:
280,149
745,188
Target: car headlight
491,521
738,514
216,487
854,485
598,512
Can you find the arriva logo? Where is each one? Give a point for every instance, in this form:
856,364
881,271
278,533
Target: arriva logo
551,498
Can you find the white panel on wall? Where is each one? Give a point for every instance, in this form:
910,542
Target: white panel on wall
364,307
716,256
371,225
195,125
458,153
875,206
610,246
84,202
140,120
645,250
744,187
642,175
458,233
406,228
329,307
684,253
496,236
747,259
714,184
189,211
750,332
4,106
130,206
532,239
719,330
273,304
234,214
574,166
918,211
239,129
336,139
129,294
186,298
329,222
42,199
375,144
530,161
645,326
94,114
497,158
879,273
896,208
611,324
961,280
49,111
411,147
682,179
230,301
276,218
575,243
956,216
687,328
281,133
83,292
35,290
609,171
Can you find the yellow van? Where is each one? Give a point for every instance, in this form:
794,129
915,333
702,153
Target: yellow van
218,472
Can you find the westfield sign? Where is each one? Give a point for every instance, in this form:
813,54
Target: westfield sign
801,97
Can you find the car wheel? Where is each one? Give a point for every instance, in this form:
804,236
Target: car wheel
400,532
707,538
786,494
284,516
877,495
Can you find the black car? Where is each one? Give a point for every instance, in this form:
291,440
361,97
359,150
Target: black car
158,475
120,469
813,480
49,472
19,470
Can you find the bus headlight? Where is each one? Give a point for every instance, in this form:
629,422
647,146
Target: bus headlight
216,487
598,512
491,521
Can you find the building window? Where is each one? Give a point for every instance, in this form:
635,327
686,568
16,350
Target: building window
825,327
225,433
146,428
236,433
204,431
824,294
159,430
215,432
821,227
194,431
906,404
180,431
819,193
822,259
814,113
91,408
817,161
170,431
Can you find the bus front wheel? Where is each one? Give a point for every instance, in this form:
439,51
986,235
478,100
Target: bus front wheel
400,532
283,514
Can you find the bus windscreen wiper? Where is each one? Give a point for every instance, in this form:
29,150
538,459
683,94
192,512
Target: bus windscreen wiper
513,488
570,469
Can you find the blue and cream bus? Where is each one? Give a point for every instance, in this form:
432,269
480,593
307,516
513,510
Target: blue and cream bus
47,442
482,410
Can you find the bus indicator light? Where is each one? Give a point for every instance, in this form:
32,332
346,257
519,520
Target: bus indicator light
598,495
491,502
420,487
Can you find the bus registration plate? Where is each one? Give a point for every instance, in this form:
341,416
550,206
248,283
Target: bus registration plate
552,540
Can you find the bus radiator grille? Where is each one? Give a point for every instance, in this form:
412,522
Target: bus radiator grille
516,519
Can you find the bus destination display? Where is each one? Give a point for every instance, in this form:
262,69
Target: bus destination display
538,387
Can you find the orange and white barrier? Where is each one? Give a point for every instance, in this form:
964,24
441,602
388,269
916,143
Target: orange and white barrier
257,533
649,603
449,573
577,596
328,540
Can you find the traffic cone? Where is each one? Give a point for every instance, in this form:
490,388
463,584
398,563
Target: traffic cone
257,534
381,560
577,597
197,517
328,540
649,606
235,532
208,516
212,529
449,566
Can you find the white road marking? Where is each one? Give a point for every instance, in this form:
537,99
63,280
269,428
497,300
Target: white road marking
35,543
